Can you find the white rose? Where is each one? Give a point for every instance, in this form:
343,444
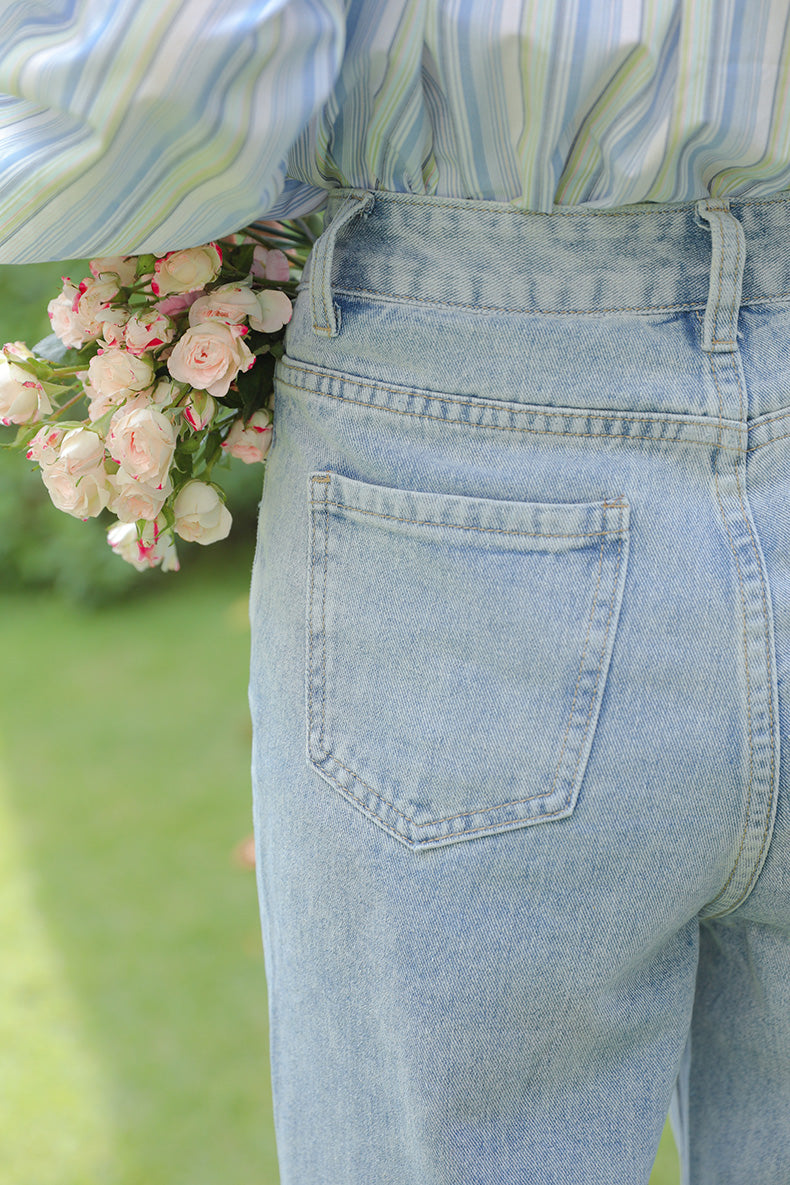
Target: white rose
154,548
45,445
185,271
147,330
209,356
274,311
230,303
81,451
165,393
201,516
17,351
22,399
113,372
131,499
113,328
99,405
123,267
199,410
83,497
250,442
142,441
65,323
93,304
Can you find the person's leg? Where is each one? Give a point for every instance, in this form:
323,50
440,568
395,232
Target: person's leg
512,691
731,1112
735,1092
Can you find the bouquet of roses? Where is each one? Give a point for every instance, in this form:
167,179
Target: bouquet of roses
171,362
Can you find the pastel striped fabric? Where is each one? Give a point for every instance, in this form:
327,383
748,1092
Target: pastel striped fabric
144,125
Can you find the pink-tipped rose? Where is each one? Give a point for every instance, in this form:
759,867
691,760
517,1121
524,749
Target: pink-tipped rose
147,331
93,305
22,399
155,548
66,325
201,516
142,441
115,372
209,356
250,442
82,497
131,500
184,271
81,451
122,267
230,303
274,311
199,410
45,445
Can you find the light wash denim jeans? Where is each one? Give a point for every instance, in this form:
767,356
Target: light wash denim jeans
521,696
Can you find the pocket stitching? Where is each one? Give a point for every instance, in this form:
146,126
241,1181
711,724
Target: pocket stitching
326,756
427,522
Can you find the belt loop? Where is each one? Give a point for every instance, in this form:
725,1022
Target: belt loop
326,315
720,327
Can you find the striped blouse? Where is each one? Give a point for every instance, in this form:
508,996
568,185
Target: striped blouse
149,125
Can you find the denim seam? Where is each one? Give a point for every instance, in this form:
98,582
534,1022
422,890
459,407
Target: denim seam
764,421
438,398
749,300
499,806
310,672
503,207
427,522
321,735
575,212
688,306
769,668
753,447
734,550
392,297
310,620
770,699
772,417
581,665
744,833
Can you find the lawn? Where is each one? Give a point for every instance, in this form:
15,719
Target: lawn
134,1008
133,1038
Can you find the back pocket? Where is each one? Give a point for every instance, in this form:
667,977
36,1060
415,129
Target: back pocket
457,651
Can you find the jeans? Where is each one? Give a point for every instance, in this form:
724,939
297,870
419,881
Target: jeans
519,685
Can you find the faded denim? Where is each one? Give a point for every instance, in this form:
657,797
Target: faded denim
519,685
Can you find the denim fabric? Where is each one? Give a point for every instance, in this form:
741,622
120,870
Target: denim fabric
521,644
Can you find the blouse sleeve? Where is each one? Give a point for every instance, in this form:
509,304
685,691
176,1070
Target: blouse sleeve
152,125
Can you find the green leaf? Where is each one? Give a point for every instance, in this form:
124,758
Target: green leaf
31,366
24,434
255,385
102,424
145,265
242,256
55,389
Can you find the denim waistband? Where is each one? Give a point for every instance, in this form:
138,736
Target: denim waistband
713,254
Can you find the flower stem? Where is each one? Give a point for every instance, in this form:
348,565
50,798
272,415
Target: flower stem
67,404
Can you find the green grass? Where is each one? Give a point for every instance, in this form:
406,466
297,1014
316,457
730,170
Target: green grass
134,1007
